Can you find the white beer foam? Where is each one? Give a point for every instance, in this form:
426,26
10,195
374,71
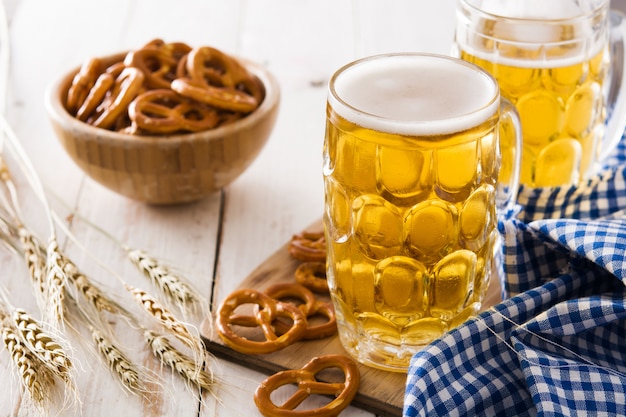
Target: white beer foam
414,95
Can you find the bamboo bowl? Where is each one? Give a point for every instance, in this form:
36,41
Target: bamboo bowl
164,169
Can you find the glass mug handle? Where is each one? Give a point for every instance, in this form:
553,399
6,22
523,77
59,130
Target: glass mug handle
510,130
616,96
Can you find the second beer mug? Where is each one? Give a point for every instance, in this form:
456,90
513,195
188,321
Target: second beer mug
554,61
411,168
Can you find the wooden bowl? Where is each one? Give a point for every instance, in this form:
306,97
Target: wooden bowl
164,169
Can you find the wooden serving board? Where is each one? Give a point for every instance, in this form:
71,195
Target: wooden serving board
380,392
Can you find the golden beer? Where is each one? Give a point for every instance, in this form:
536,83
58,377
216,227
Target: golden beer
553,69
562,113
411,162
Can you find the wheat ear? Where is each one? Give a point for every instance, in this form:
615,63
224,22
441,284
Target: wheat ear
166,319
171,285
118,363
34,377
94,296
179,362
42,344
35,262
55,282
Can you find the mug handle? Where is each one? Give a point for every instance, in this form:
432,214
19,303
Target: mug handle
616,95
510,131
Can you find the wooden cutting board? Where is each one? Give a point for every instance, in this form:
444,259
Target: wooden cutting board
380,392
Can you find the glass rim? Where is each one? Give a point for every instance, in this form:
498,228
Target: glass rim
489,107
604,5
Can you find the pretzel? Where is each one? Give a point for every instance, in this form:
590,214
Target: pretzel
268,311
126,87
310,307
313,276
229,117
206,64
82,83
177,50
95,96
157,64
307,383
226,98
154,43
216,79
116,69
215,89
308,246
162,111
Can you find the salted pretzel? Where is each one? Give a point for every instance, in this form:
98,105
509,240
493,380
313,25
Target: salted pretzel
308,246
176,49
207,64
267,312
226,98
82,83
307,384
216,79
162,111
116,69
127,86
313,276
214,89
310,306
157,63
95,96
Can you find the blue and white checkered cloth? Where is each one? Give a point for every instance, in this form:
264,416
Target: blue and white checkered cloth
557,345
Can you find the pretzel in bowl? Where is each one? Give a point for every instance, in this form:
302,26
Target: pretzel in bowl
308,246
310,306
313,276
213,89
95,96
307,384
163,111
218,80
267,311
82,83
158,61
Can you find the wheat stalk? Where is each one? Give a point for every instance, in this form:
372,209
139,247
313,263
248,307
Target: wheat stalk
170,284
164,317
42,344
55,282
178,362
118,363
34,377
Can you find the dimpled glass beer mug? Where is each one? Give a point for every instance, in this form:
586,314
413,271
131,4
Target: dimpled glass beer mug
553,59
411,164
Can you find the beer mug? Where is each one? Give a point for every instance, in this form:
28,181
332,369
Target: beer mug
561,63
411,163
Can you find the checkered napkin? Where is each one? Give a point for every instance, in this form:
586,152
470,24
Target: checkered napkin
557,345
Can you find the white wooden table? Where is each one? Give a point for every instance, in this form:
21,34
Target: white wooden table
216,242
